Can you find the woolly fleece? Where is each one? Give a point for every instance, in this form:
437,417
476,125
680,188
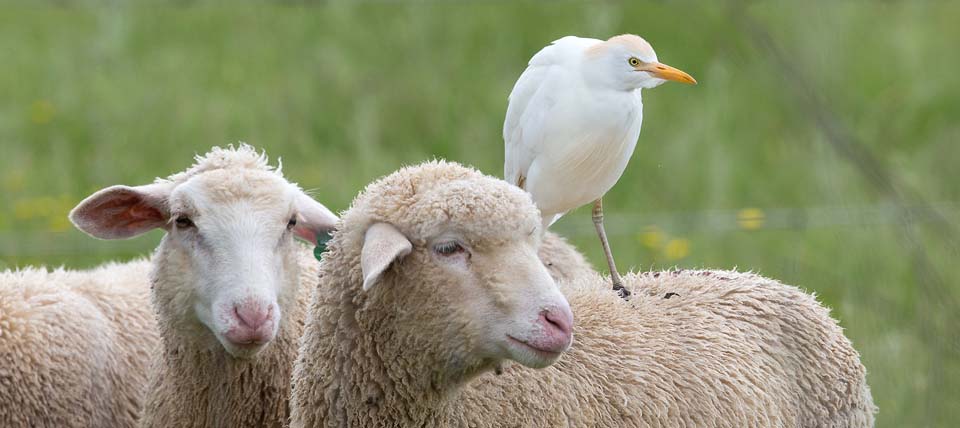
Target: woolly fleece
74,345
725,349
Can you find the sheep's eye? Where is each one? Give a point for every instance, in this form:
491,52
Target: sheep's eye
292,223
448,248
184,222
634,61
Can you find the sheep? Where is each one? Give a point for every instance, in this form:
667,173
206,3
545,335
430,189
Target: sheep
486,296
74,345
398,335
225,284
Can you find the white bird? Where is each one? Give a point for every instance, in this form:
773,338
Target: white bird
573,121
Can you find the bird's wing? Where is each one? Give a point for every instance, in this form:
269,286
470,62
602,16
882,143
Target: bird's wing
534,94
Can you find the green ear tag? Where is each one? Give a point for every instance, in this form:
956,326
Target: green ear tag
322,239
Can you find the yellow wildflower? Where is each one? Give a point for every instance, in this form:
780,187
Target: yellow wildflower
651,237
677,248
751,218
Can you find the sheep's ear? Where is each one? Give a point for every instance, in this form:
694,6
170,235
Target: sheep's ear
120,212
382,244
312,219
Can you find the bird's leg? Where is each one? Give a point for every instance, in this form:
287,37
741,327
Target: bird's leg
614,275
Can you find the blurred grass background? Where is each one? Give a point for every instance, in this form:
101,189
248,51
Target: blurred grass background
820,147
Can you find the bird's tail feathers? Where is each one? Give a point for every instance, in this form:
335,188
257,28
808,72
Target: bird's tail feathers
549,220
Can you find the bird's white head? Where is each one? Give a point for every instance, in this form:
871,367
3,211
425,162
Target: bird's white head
628,62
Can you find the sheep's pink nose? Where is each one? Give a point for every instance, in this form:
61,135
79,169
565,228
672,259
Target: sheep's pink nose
559,318
557,323
254,324
253,316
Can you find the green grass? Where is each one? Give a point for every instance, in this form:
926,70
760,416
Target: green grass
347,92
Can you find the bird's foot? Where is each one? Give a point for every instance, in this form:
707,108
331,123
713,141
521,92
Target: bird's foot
621,291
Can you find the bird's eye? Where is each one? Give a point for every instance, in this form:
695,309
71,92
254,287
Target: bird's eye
184,222
634,61
449,248
292,223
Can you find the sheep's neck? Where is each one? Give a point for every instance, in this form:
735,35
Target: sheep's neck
216,390
395,384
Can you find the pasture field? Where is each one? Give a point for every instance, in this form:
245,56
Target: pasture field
820,147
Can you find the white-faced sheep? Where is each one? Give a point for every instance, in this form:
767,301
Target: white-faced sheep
226,284
431,262
74,345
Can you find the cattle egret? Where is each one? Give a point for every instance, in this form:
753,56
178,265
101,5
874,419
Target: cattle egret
573,121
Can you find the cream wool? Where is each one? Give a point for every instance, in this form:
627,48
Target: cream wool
691,348
726,349
74,345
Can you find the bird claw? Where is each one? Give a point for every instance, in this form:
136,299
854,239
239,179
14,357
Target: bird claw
622,291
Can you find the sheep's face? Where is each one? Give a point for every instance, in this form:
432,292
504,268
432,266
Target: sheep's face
510,307
468,276
227,268
231,241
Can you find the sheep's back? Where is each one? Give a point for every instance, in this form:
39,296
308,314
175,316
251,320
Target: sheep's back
787,340
74,345
691,348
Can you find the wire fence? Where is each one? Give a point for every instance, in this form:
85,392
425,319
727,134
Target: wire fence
40,244
753,218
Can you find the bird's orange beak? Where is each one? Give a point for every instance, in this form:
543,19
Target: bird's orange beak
667,72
